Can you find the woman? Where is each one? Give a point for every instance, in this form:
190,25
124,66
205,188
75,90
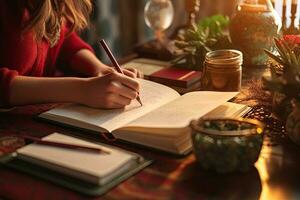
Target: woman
37,37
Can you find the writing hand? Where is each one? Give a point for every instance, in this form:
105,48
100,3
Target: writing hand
113,90
131,72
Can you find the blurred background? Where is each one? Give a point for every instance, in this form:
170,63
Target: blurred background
121,22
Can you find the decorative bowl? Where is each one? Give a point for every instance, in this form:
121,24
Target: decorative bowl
227,145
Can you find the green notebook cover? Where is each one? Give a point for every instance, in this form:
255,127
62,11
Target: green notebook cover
69,182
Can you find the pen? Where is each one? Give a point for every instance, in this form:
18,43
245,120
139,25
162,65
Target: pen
114,62
64,145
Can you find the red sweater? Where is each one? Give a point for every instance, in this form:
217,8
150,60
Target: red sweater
20,54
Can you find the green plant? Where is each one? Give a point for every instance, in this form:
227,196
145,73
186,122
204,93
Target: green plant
194,43
287,80
215,24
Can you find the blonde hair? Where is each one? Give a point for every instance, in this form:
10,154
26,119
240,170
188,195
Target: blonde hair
47,16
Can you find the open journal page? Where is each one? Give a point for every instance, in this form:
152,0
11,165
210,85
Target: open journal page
153,95
179,113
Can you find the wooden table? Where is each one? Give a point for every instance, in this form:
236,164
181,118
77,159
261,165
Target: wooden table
276,174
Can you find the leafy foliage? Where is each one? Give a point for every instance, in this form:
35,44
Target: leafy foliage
194,43
288,82
215,24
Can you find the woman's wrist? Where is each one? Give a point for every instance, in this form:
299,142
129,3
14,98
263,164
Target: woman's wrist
31,90
80,87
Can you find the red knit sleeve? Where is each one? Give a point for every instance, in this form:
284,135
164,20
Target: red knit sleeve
72,44
6,76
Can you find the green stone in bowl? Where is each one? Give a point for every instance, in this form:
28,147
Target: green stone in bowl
226,145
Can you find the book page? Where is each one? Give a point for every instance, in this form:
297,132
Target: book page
228,110
153,95
179,113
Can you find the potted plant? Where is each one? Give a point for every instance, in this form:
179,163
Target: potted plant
285,80
193,44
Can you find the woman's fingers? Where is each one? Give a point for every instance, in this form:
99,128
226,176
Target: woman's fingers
118,88
122,100
133,73
116,100
127,81
130,72
108,71
114,105
113,90
140,74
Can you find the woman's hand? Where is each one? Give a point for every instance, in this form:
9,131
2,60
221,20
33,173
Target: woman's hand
113,90
131,72
86,63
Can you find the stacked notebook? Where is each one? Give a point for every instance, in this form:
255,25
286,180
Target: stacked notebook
83,171
96,168
182,80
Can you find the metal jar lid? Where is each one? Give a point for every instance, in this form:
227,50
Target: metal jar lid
224,57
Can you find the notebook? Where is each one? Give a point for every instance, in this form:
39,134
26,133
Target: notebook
164,73
161,123
95,168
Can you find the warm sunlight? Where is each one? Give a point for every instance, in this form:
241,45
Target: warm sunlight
268,157
150,99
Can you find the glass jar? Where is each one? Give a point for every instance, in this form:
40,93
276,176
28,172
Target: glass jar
253,26
222,71
227,145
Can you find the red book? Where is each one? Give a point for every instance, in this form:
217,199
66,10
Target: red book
172,76
163,72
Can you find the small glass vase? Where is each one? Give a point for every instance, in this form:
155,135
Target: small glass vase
159,16
253,26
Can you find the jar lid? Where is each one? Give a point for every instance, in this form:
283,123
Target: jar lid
224,57
255,6
228,127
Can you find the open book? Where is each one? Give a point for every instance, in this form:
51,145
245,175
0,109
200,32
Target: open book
95,168
161,123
